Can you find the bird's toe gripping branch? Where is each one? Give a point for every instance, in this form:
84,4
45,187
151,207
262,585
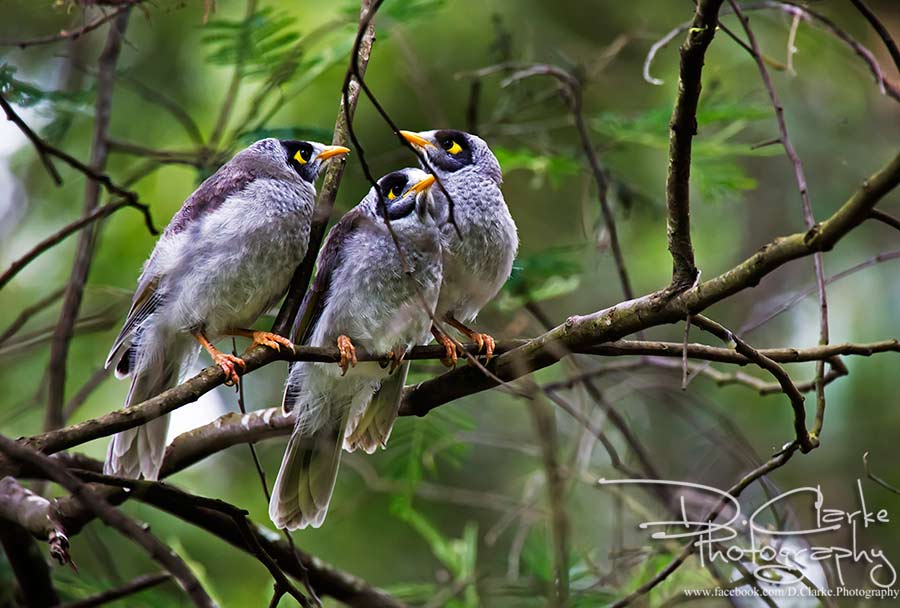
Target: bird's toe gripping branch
449,359
228,363
485,342
263,338
348,353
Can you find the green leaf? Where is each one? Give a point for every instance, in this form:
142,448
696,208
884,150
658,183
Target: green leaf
541,276
651,129
545,167
262,43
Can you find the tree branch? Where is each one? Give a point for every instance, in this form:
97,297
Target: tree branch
135,585
657,308
683,127
110,516
330,184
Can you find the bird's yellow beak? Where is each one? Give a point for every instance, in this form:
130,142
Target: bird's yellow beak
421,186
416,139
330,151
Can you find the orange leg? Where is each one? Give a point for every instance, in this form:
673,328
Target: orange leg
449,346
348,353
262,338
228,363
484,341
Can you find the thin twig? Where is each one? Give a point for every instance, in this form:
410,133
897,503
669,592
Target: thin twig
805,441
818,258
60,235
135,585
73,34
28,312
573,90
883,32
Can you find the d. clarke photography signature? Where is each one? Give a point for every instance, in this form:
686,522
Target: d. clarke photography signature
770,560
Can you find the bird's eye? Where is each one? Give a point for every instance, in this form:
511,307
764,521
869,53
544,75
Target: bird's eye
395,192
451,146
302,156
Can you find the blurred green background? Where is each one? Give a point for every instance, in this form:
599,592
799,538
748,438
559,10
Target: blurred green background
456,502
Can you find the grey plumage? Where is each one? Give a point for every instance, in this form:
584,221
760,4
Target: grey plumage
360,291
212,271
478,260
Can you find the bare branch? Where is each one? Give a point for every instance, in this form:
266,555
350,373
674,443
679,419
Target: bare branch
683,128
66,231
330,184
73,34
111,517
818,258
804,440
878,26
135,585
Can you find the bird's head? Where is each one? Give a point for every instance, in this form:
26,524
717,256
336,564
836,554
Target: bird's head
405,191
449,151
286,157
307,158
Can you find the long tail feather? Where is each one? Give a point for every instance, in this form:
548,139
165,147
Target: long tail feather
372,429
153,363
306,479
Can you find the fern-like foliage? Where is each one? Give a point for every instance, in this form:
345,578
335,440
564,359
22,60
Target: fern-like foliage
263,44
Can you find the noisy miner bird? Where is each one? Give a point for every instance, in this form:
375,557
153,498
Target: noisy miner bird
365,293
478,258
223,260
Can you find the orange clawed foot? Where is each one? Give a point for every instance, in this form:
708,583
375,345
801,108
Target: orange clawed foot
262,338
348,353
229,365
449,345
484,342
273,341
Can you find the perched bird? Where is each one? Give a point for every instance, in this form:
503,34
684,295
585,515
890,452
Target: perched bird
226,257
367,294
478,257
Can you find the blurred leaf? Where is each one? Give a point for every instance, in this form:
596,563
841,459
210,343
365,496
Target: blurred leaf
264,42
397,11
61,106
541,276
545,167
651,129
719,180
423,445
27,95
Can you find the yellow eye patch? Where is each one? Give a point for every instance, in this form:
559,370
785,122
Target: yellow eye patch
455,148
299,157
394,193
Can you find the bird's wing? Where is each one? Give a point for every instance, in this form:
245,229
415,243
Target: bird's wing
146,299
329,259
227,181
